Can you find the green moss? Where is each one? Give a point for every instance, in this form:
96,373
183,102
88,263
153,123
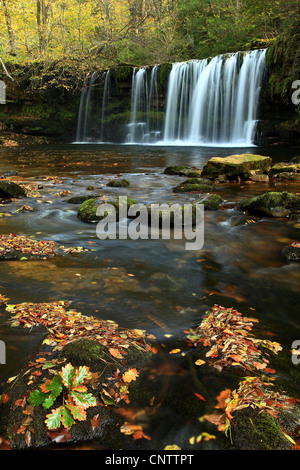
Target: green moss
257,431
266,204
236,166
88,209
10,189
212,202
176,170
123,183
285,167
187,188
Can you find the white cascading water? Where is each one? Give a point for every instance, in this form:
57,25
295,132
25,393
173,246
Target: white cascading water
214,102
209,102
144,104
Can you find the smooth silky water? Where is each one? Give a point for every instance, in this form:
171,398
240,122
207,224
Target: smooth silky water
155,285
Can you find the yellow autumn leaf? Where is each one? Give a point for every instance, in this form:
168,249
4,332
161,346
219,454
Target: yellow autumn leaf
130,375
199,362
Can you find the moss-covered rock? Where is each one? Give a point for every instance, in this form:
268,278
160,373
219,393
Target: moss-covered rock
236,166
81,199
123,183
88,209
212,202
9,189
82,352
283,167
182,170
258,431
275,204
187,187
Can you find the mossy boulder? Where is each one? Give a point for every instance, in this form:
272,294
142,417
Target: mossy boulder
82,352
236,166
81,199
9,189
182,170
275,204
258,431
283,167
123,183
212,202
195,184
88,209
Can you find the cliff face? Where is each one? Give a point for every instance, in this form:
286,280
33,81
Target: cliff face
280,116
45,103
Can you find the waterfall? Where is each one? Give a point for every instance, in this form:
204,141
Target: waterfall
105,102
214,102
143,126
209,102
91,117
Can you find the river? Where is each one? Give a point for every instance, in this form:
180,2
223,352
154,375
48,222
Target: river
154,285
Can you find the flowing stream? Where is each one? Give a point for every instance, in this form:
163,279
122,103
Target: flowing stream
155,285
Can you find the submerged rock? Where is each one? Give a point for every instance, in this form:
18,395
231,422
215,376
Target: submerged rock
236,166
292,252
88,209
9,189
275,204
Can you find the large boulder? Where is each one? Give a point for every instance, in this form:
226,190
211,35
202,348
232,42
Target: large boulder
236,166
9,189
275,204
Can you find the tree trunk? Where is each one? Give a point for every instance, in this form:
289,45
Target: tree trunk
11,35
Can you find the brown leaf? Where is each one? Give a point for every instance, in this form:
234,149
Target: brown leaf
95,421
60,435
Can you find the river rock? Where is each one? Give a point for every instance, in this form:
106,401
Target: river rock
182,170
292,252
82,352
275,204
211,201
123,183
284,167
9,189
193,184
80,199
236,167
88,209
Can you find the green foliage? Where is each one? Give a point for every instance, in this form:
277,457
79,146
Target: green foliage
71,34
76,399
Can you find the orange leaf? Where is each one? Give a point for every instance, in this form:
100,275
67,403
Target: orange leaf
115,353
130,375
199,396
